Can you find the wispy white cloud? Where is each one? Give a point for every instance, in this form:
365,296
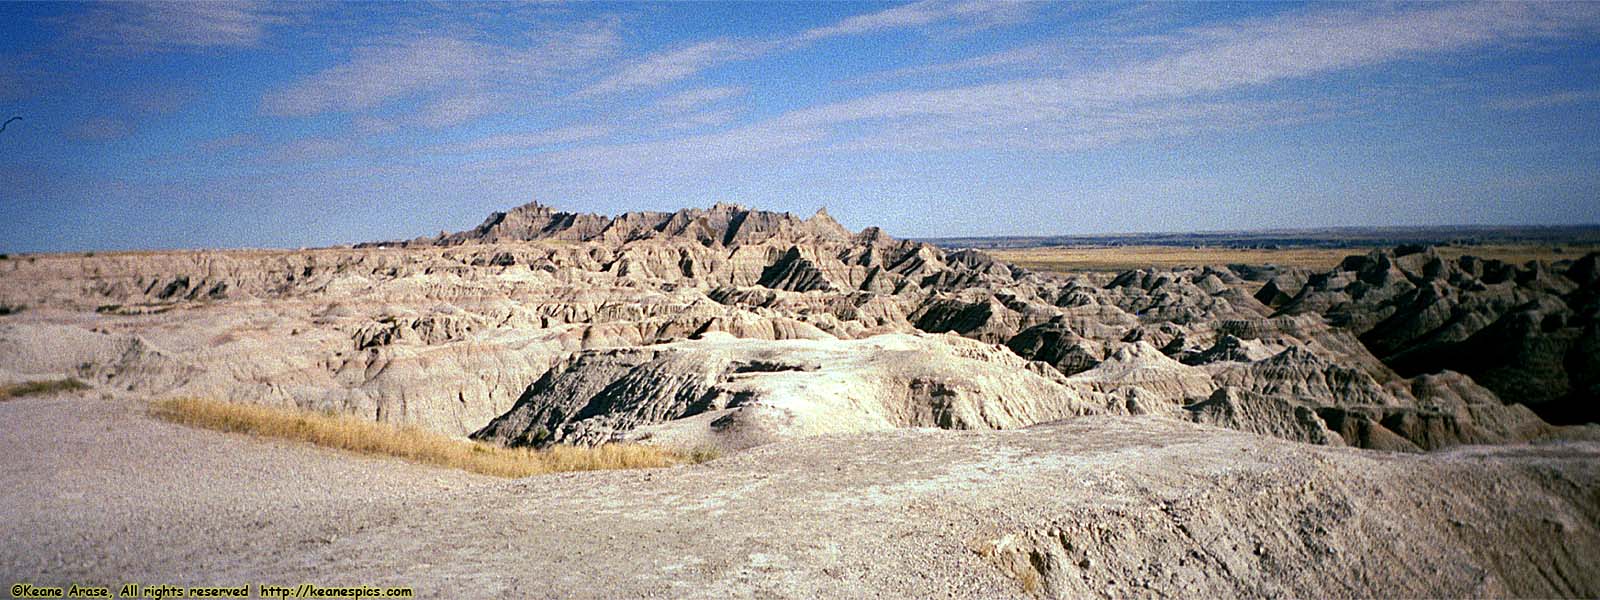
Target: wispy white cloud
160,99
674,65
229,142
536,139
969,13
697,98
1553,99
100,129
455,109
307,150
1270,50
150,26
751,144
377,74
13,82
1246,57
1043,55
1092,128
374,125
1192,89
682,63
1099,41
398,69
697,120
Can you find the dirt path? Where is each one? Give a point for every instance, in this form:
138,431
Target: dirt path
98,493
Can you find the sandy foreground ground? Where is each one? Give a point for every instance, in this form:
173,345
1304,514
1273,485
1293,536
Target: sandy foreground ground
98,493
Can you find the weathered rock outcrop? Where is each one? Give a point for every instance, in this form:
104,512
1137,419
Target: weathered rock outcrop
1525,332
1275,416
721,225
736,393
1142,367
516,320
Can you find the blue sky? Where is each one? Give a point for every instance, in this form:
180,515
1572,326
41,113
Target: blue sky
162,125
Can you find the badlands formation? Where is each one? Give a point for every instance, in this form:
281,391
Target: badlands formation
796,343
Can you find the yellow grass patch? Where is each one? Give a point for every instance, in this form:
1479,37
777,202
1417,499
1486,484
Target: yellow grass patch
33,388
410,443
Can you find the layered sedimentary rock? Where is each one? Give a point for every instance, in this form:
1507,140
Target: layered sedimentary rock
1526,332
735,326
737,393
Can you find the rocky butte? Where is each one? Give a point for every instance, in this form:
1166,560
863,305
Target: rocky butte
1404,424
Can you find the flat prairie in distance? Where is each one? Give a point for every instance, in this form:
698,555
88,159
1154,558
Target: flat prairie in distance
1068,259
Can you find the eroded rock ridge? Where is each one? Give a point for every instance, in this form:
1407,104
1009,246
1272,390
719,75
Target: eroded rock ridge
737,327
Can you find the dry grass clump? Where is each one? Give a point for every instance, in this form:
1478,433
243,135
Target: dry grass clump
32,388
410,443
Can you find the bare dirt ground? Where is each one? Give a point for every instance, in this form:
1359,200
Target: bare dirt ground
99,493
